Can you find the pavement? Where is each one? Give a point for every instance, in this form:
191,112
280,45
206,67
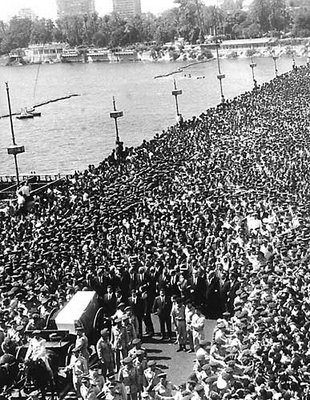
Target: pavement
178,365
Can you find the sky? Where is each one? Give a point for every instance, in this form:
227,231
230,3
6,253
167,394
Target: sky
47,8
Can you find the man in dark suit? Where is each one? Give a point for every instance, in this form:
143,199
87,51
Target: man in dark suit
109,302
138,308
174,287
198,288
162,307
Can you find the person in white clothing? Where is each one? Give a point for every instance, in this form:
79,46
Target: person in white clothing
37,351
198,326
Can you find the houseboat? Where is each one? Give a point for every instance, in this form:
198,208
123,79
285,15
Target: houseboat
44,53
98,55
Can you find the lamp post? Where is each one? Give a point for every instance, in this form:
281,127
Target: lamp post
115,115
253,66
294,62
220,75
14,149
176,92
274,57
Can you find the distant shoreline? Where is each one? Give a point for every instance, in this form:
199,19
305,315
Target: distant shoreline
196,56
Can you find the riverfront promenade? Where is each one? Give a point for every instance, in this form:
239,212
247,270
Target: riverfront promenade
215,212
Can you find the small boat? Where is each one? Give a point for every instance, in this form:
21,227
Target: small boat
33,112
24,114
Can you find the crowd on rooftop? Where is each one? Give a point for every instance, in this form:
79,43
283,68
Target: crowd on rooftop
213,212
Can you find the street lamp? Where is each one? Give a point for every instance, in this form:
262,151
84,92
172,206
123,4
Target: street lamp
220,75
176,92
115,115
253,66
14,149
294,62
274,57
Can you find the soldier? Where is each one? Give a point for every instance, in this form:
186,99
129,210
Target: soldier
113,390
130,329
119,342
151,376
96,377
129,378
88,390
105,353
199,393
136,347
178,315
163,390
79,368
81,342
140,365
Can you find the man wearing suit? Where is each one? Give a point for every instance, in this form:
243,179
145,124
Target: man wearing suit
198,288
162,306
138,307
174,287
109,302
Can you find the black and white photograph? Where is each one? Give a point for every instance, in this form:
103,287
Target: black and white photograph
154,199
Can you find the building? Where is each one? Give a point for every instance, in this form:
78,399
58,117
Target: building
127,8
67,8
26,13
44,53
240,44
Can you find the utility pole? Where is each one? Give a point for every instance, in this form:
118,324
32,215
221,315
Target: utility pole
220,75
274,57
115,115
176,93
14,149
253,66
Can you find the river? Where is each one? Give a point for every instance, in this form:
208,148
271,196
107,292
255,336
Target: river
74,133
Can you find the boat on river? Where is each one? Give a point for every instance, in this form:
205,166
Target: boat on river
24,114
27,113
33,111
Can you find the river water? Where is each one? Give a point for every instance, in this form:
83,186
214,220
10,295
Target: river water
74,133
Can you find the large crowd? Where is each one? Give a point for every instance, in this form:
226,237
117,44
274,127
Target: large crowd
210,216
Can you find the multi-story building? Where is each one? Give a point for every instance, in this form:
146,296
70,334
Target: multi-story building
67,8
26,13
127,8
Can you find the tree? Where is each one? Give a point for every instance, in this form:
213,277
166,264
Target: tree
191,22
167,26
302,22
17,35
233,23
42,31
260,12
280,19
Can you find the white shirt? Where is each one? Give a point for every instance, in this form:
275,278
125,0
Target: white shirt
36,349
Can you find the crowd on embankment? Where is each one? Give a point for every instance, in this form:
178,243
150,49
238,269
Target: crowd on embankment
221,199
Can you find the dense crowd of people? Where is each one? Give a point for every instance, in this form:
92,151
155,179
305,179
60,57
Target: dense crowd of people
211,214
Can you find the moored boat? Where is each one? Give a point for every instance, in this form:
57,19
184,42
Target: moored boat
33,112
24,114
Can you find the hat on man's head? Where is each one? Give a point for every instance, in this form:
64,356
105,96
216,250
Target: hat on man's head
151,363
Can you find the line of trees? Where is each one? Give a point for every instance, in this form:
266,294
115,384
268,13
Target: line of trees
190,19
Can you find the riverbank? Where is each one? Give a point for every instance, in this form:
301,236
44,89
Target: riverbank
170,52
